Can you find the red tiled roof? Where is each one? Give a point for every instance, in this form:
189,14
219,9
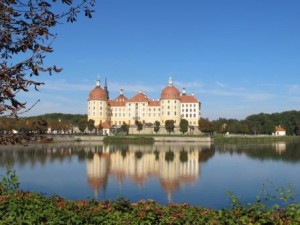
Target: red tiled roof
105,125
279,128
98,94
115,103
188,99
121,98
154,103
139,97
170,92
119,101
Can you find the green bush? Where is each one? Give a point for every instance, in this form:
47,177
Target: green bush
31,208
9,182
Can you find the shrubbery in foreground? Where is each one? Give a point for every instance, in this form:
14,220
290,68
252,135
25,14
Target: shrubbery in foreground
18,207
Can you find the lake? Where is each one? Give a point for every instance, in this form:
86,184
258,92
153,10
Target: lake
196,173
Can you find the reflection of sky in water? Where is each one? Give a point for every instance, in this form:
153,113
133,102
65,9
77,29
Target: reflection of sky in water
199,175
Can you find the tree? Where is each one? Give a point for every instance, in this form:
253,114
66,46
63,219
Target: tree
169,125
256,122
59,125
82,125
156,126
184,125
7,124
40,126
99,128
26,31
221,125
125,128
192,128
297,128
206,126
90,125
139,126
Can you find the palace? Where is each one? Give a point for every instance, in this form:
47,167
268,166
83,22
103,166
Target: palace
172,105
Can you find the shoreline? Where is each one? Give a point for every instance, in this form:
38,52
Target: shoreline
185,138
143,139
151,139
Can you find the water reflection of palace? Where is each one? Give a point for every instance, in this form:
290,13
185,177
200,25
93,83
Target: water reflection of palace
173,165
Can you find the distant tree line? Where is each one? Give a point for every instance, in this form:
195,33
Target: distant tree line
40,124
254,124
261,123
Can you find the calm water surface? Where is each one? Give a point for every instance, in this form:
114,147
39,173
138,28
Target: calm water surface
199,174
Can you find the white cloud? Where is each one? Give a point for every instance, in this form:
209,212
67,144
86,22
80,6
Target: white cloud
57,105
218,92
115,87
293,88
259,96
295,99
239,92
188,85
220,84
62,85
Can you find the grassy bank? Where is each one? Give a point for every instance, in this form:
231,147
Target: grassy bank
254,139
149,138
130,139
218,139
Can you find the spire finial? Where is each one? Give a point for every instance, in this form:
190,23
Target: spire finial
106,88
98,81
170,81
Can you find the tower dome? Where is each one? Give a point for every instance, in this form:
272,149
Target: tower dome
170,92
98,93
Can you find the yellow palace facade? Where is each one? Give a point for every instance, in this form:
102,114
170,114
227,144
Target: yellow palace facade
172,105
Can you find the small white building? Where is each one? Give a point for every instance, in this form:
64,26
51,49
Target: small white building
279,131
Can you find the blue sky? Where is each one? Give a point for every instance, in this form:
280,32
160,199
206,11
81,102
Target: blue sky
238,57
